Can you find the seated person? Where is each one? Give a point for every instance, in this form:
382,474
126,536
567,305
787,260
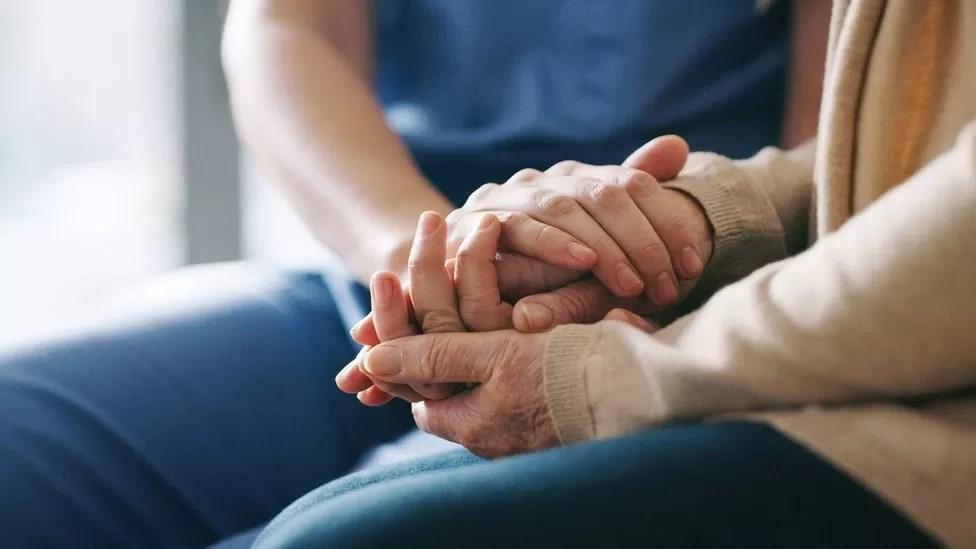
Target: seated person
207,404
839,370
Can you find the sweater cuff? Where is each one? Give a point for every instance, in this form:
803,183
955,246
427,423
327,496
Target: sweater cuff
748,233
564,378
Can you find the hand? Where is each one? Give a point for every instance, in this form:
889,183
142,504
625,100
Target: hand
438,299
506,410
645,237
676,215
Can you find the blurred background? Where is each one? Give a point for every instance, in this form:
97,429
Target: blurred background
118,159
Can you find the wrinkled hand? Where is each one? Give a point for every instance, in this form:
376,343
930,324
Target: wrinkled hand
435,301
505,410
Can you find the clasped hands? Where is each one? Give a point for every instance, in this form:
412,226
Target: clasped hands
576,243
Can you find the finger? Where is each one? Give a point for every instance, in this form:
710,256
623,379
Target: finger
584,301
519,276
613,266
663,157
431,286
608,202
364,331
670,229
479,299
390,317
635,320
671,225
522,234
352,379
399,390
374,396
438,358
448,418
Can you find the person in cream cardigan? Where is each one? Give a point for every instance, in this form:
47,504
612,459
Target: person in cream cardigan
838,306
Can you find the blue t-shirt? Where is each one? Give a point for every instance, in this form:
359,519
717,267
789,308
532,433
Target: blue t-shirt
482,88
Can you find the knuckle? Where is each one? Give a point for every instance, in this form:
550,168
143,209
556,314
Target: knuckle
513,220
548,234
638,184
527,174
420,262
481,193
608,195
440,320
556,205
564,167
653,249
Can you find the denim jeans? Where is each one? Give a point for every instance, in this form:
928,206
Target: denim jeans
197,413
695,485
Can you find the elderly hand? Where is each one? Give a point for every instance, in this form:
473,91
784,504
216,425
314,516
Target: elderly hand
438,299
505,411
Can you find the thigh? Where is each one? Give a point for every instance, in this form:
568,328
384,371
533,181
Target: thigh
196,411
727,485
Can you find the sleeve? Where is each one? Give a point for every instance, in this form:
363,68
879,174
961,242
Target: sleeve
759,210
883,308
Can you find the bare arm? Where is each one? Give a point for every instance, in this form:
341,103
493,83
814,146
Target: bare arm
300,76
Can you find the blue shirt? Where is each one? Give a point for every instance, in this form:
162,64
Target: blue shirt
482,88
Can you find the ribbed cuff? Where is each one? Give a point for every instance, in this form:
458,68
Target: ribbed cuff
564,377
747,231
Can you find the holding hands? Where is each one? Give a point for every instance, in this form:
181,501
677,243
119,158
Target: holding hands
536,239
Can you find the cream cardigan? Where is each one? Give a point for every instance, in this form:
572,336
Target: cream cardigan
863,345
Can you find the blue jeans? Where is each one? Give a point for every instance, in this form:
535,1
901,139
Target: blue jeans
696,485
204,411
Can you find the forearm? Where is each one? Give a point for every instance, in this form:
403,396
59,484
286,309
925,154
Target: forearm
304,107
880,309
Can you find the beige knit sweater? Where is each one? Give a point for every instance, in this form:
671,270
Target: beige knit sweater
863,345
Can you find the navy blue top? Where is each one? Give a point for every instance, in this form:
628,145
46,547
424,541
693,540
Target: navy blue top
482,88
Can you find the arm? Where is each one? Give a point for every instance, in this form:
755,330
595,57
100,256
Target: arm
881,309
300,76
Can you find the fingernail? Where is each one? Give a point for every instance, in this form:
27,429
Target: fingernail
536,316
382,290
664,289
429,221
628,280
581,253
690,262
383,361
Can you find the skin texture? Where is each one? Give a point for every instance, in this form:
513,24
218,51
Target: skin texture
669,233
481,390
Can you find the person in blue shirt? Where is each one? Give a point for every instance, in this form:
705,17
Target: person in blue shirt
187,420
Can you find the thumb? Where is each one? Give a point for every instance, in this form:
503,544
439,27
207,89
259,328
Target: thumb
437,358
662,157
584,301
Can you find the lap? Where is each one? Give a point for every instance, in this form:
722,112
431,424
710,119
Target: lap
195,411
724,484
